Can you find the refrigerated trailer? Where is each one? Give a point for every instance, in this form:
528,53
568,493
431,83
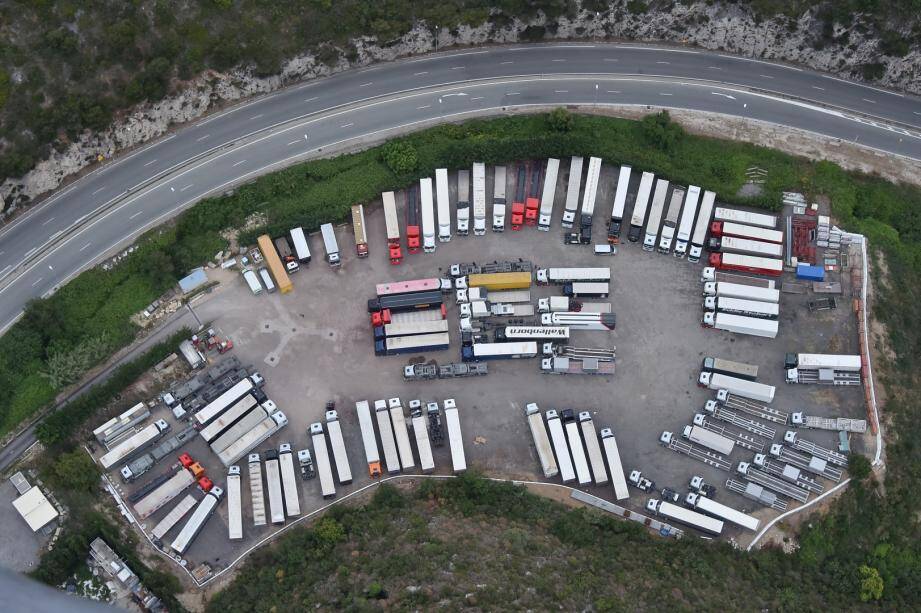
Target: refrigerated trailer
220,404
748,263
172,518
667,232
444,204
655,215
246,423
559,276
620,201
334,429
700,228
499,351
572,192
745,217
736,386
818,361
731,244
234,505
365,423
574,441
498,200
197,521
592,448
612,453
321,460
721,511
560,447
728,228
548,195
289,480
420,433
687,221
738,290
640,206
428,214
541,440
299,240
455,438
740,324
358,229
702,522
256,490
392,223
740,306
586,215
479,198
586,290
391,456
257,435
463,202
274,488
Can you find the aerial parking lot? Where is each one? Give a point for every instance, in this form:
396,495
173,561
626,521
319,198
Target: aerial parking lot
315,345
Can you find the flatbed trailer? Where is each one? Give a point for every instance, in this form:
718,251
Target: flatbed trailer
547,196
234,504
788,472
560,447
837,424
573,188
793,439
721,413
700,228
321,460
289,480
579,353
812,464
731,368
752,407
593,448
541,440
710,458
561,365
256,490
455,438
764,479
388,443
757,493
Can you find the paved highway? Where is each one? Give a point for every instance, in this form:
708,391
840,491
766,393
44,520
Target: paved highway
114,204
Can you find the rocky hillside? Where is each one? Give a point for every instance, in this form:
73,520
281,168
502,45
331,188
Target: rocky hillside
825,37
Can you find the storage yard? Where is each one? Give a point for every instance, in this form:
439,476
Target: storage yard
672,387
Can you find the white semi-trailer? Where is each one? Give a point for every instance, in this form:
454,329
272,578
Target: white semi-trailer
728,228
592,448
548,195
401,434
172,518
444,204
740,324
702,522
421,434
701,227
321,460
234,504
197,521
165,492
739,290
745,217
541,440
391,456
273,485
463,202
301,250
368,440
479,199
137,442
560,447
428,214
640,207
687,221
740,306
498,200
819,361
334,429
612,453
217,427
572,192
559,276
455,438
747,246
289,480
738,387
580,320
241,427
220,404
655,215
721,511
574,440
671,221
256,490
257,435
587,213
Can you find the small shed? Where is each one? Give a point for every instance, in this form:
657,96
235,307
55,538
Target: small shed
35,509
195,279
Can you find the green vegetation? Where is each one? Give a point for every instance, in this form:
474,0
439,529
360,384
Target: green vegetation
870,526
69,66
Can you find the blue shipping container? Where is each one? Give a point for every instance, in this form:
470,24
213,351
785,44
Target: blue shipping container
810,273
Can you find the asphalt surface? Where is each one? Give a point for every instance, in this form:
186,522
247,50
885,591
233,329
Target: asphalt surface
111,206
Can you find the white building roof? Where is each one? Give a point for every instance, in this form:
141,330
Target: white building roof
35,509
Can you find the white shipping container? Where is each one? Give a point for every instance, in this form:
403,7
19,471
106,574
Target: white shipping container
592,448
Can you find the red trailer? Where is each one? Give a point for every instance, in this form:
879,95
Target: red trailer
532,204
518,202
747,263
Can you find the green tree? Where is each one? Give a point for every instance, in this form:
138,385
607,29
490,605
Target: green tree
859,466
871,584
401,157
76,471
560,120
661,131
329,531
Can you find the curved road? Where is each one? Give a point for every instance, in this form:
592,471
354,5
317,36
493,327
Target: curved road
115,203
